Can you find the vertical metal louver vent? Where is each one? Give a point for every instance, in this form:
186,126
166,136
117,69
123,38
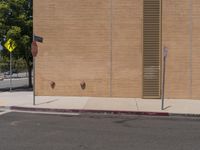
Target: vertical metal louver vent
151,48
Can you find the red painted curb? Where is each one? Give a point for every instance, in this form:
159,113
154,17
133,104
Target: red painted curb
89,111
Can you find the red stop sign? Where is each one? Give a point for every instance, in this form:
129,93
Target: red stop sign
34,48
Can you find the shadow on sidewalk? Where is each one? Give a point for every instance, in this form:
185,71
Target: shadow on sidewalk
47,102
167,107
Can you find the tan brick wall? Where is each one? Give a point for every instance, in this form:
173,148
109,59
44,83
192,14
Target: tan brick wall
196,50
76,46
78,39
175,36
127,48
180,34
87,40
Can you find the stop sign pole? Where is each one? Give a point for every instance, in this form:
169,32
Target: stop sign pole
34,51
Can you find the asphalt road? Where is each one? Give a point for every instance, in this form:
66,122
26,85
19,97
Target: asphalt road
20,131
16,83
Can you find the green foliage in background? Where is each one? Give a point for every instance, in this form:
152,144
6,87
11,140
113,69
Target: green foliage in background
18,65
16,23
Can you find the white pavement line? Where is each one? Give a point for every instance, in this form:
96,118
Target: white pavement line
3,112
48,113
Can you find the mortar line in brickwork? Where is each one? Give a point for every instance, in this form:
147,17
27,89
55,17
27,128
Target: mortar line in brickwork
191,42
111,38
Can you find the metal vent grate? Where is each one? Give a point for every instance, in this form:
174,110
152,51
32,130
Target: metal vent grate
151,48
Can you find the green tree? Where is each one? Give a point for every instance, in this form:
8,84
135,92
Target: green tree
16,23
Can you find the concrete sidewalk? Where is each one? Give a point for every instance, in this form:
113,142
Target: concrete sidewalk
24,101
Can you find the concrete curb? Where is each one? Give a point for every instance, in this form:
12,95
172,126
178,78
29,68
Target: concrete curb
145,113
4,107
184,115
115,112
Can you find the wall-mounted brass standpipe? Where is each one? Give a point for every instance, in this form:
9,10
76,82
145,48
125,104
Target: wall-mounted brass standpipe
83,85
52,84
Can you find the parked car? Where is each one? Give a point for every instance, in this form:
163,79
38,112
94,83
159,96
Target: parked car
8,72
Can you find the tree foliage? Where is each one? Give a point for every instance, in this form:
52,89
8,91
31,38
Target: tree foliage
16,23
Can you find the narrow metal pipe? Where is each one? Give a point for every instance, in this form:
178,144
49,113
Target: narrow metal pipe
10,71
33,80
163,84
33,76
